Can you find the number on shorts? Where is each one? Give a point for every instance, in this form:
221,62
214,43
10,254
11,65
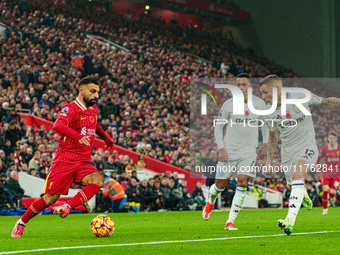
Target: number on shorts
310,153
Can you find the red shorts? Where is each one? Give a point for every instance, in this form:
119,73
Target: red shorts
333,183
61,175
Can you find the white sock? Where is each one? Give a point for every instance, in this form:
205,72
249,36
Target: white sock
237,203
295,200
213,193
21,222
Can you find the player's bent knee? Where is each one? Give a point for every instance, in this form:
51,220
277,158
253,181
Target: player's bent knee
242,182
50,199
99,183
221,183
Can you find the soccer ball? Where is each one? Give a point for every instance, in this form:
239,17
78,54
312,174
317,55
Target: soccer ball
102,225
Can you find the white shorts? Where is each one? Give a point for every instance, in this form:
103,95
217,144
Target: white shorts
239,162
308,153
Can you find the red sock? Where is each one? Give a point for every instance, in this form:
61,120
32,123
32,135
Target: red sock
324,199
84,195
35,208
331,194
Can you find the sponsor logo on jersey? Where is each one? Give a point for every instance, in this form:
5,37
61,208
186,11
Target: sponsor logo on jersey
91,131
82,118
83,131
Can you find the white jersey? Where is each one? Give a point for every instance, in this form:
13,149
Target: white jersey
242,130
297,129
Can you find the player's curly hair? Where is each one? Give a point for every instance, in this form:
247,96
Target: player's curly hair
88,80
332,133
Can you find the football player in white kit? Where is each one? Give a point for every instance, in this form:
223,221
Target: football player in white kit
299,149
237,150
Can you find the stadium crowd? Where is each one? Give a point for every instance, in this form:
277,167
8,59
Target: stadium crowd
144,101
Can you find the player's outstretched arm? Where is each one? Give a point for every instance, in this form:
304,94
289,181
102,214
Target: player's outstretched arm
104,136
60,125
331,102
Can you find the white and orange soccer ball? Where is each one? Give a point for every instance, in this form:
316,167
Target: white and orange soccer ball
102,226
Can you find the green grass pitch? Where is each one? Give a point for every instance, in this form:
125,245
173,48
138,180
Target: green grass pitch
259,226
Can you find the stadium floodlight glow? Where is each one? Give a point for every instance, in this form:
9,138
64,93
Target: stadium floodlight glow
147,7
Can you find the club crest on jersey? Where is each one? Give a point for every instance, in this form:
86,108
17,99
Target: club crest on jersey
66,109
83,131
296,109
87,131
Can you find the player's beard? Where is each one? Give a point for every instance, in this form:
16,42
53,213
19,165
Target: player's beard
89,102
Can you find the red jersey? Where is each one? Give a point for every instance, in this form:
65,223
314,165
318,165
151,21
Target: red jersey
332,161
83,121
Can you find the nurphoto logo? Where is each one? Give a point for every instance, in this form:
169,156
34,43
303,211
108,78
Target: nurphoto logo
238,100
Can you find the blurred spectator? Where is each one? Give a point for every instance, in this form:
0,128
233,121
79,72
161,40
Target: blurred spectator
188,201
134,175
114,175
13,186
8,149
197,194
110,165
34,163
143,195
2,197
45,101
211,162
8,195
3,162
176,179
132,192
312,193
257,190
153,195
4,112
123,177
33,172
42,172
13,116
12,133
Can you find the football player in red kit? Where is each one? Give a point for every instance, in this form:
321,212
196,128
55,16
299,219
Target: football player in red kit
77,125
330,170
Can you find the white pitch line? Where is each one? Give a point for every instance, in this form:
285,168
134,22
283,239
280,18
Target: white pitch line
162,242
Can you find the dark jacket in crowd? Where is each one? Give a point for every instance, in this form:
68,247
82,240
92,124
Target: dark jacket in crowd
14,187
165,191
132,192
2,197
197,192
